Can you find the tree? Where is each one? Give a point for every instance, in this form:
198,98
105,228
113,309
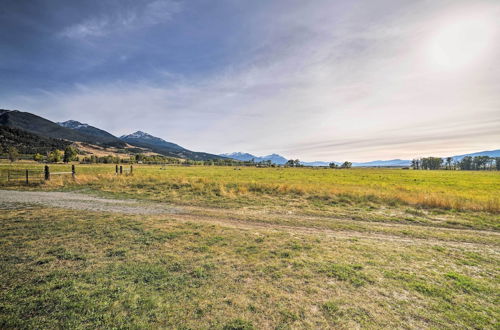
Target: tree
431,163
139,158
346,164
466,163
290,162
480,162
70,154
13,154
333,165
414,164
448,162
38,157
55,156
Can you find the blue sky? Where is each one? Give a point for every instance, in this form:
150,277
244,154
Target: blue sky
314,80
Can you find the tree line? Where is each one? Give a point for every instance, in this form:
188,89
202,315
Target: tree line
468,163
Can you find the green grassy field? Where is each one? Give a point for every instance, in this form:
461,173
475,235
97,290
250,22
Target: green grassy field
460,190
257,248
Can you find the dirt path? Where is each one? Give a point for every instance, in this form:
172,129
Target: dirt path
231,218
78,201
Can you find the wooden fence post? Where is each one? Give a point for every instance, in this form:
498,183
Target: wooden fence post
73,171
116,169
47,172
27,178
121,169
131,169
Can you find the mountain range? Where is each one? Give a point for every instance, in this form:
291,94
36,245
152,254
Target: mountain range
40,126
32,133
75,131
158,145
280,160
243,156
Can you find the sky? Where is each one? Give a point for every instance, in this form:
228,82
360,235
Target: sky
313,80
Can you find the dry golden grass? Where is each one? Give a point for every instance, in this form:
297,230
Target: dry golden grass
459,190
476,191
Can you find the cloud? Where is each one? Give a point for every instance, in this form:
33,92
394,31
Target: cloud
307,82
123,17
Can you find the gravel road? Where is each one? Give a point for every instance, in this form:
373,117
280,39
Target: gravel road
79,201
9,198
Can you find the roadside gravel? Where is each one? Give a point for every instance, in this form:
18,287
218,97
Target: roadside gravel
76,201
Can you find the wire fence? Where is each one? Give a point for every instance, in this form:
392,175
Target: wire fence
21,176
14,176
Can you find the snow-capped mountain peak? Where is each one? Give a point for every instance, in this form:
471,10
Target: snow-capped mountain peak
243,156
73,124
140,135
142,139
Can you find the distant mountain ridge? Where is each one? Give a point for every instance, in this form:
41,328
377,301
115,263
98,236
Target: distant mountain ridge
318,163
243,156
391,162
280,160
490,153
375,163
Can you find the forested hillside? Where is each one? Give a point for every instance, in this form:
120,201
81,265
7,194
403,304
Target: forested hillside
28,143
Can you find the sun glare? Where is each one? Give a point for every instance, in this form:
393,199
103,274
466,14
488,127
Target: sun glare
461,42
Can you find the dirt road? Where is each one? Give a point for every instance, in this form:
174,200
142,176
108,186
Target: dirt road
78,201
242,219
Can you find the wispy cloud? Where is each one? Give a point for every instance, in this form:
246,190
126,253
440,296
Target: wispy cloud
123,17
316,80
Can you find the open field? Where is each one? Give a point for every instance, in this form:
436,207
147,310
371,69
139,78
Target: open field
461,190
215,247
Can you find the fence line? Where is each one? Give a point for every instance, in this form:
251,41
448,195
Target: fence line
28,176
21,175
120,170
48,173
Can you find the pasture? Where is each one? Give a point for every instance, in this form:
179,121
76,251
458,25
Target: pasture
245,248
458,190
